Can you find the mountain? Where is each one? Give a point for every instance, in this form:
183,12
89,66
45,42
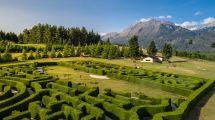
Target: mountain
166,32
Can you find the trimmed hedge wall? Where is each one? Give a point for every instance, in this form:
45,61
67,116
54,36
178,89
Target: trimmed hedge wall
185,107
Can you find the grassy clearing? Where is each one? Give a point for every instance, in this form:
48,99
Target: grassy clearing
116,85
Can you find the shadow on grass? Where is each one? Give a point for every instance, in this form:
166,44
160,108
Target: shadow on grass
195,113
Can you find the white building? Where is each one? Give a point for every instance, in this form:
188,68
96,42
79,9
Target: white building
152,59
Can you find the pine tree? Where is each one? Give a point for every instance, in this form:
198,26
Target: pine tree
117,53
78,51
31,56
152,50
105,52
72,53
141,52
37,54
45,53
213,45
53,53
59,55
167,51
112,52
133,47
98,50
66,51
190,42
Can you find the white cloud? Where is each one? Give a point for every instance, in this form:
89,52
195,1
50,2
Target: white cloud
145,19
102,34
191,25
208,20
165,17
158,17
194,25
197,13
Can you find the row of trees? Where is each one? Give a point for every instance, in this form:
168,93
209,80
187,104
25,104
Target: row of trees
10,36
134,50
45,33
195,55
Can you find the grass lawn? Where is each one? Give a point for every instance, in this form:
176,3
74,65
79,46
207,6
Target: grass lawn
116,85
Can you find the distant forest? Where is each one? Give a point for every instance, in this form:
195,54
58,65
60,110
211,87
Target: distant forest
52,34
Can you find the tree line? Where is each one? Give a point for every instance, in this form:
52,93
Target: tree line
195,55
52,34
8,36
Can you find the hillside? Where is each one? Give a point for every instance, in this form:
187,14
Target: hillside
164,31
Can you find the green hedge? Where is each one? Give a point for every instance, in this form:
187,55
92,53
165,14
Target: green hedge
119,102
71,113
115,112
97,112
22,93
184,108
23,104
19,116
6,94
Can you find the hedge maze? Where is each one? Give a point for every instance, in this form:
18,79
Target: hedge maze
27,93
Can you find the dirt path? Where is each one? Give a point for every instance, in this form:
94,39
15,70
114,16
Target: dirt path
98,77
205,110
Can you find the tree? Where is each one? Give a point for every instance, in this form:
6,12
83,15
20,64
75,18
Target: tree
37,54
112,52
31,56
133,46
167,51
59,55
45,53
98,50
105,51
66,51
53,53
213,44
78,51
190,42
7,56
152,50
72,53
141,52
24,55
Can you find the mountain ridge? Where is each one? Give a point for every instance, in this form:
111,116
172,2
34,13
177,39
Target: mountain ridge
166,32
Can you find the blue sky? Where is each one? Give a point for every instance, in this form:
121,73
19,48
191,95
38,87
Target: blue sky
102,15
